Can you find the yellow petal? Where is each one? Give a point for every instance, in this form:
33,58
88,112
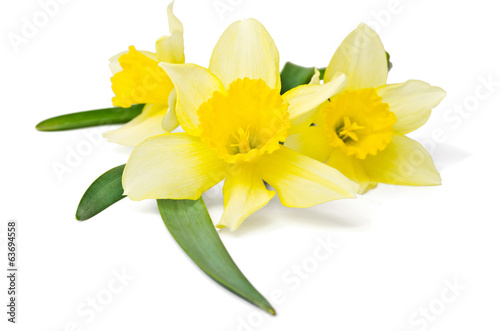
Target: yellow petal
312,142
315,78
244,194
403,162
411,102
140,81
147,124
171,166
246,49
194,85
304,182
114,62
171,48
170,121
352,168
305,99
362,57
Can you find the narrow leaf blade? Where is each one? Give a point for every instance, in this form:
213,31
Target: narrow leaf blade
104,192
189,223
86,119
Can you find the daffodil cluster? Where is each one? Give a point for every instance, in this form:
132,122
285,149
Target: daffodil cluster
307,135
315,143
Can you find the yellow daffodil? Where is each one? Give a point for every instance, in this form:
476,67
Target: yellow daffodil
137,79
235,121
361,131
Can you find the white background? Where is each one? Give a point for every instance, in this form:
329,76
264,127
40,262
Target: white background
399,248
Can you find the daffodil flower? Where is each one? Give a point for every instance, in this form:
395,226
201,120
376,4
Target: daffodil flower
235,121
137,79
361,131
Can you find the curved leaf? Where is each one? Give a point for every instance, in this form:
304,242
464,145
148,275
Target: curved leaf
104,191
189,223
86,119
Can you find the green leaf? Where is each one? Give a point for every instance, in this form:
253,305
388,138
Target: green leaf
105,191
322,73
189,223
294,75
86,119
389,63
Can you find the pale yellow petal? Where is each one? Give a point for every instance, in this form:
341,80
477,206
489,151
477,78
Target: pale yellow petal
194,85
246,49
244,194
312,142
170,121
411,102
352,168
305,99
403,162
172,166
302,181
315,78
147,124
114,64
171,48
362,57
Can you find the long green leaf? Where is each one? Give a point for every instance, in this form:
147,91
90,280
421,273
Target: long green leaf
115,115
189,223
105,191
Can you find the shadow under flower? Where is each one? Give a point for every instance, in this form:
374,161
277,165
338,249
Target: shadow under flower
340,215
445,156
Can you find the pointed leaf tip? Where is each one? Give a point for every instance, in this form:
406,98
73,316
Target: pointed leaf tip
86,119
189,223
104,192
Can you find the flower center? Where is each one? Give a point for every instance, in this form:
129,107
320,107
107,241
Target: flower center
358,122
247,121
348,131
